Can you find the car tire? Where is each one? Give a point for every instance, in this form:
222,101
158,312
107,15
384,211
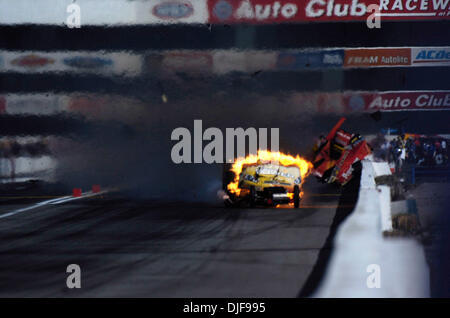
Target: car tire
296,196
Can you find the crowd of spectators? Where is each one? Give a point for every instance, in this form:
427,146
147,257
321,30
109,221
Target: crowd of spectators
429,151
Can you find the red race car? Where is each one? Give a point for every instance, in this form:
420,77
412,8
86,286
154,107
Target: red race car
338,154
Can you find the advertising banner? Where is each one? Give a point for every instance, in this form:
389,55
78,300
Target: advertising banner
100,63
366,101
285,11
303,60
396,101
430,56
187,61
33,104
103,12
226,61
368,57
90,106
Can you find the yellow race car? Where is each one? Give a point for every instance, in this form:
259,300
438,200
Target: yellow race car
265,183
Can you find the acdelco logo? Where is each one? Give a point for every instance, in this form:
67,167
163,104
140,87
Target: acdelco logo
318,8
173,10
432,55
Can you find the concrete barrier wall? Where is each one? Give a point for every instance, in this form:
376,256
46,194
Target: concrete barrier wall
363,262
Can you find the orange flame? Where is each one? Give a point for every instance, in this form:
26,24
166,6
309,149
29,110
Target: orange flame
265,155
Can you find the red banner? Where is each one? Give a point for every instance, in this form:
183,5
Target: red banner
377,57
397,101
271,11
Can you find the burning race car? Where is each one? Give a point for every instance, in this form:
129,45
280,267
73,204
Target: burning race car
268,178
338,155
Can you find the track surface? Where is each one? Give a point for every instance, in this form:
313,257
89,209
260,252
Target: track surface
131,248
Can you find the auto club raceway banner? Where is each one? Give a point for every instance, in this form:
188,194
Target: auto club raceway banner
280,11
360,101
132,12
111,107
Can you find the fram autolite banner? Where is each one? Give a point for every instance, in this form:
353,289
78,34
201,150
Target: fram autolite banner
103,12
282,11
415,56
367,57
396,101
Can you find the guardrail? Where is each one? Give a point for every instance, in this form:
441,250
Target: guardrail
366,264
428,173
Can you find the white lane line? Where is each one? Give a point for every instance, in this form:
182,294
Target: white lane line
34,206
414,14
83,195
53,201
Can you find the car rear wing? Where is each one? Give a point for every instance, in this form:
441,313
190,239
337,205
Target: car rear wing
335,128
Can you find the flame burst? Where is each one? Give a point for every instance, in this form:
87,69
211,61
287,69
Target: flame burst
265,155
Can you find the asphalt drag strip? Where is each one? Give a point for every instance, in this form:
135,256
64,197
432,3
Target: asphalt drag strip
130,248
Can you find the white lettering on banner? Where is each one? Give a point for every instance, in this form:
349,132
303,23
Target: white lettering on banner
384,4
261,12
381,103
424,5
397,5
409,6
317,8
413,5
440,4
423,101
426,100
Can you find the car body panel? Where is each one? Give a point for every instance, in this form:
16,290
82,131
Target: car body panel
334,159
